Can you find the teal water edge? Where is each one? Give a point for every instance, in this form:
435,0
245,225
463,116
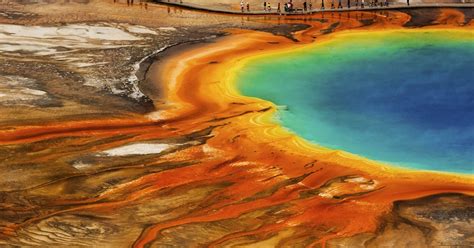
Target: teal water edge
401,97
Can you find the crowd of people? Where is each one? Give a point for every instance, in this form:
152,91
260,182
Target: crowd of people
267,7
362,4
307,6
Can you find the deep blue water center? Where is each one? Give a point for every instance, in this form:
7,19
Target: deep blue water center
406,98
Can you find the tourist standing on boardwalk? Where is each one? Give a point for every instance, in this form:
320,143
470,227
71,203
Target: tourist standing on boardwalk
305,6
310,5
264,6
408,2
322,4
288,7
348,4
242,5
248,7
279,8
269,7
362,3
339,4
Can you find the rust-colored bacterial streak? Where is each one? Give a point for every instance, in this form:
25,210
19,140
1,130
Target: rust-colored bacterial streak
332,204
230,141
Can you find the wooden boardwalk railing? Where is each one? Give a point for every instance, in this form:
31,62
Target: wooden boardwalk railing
299,11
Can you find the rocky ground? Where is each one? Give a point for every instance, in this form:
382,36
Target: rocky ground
93,48
435,221
81,62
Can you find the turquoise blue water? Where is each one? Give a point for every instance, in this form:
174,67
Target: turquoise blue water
406,98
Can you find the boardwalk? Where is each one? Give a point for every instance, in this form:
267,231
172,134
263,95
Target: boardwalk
316,9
